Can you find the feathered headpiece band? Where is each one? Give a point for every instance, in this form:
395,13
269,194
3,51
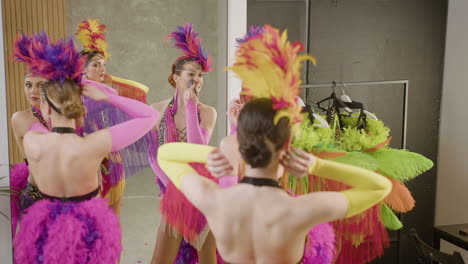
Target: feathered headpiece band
270,67
187,40
92,38
53,61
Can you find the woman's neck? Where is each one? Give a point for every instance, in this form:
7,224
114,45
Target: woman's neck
269,172
63,122
180,101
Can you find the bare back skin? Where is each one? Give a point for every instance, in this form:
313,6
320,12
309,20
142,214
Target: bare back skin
261,224
65,165
256,226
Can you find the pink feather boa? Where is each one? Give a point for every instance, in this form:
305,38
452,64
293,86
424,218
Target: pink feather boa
320,249
19,174
56,232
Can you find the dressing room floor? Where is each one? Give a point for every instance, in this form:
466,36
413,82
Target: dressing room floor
139,218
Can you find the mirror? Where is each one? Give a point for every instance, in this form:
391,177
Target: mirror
136,34
352,42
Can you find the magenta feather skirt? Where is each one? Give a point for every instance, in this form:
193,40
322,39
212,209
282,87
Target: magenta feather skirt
320,248
19,174
69,233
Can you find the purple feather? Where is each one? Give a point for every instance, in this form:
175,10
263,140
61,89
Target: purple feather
56,232
56,61
22,46
253,32
187,40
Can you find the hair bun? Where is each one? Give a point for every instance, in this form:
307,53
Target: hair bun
256,152
73,110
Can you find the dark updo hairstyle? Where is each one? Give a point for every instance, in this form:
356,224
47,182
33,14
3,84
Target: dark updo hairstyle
259,138
177,67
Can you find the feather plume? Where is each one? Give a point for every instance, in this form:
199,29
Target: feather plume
57,61
269,66
187,40
91,35
254,32
23,43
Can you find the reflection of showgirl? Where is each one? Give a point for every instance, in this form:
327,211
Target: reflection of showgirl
70,225
130,160
184,119
22,185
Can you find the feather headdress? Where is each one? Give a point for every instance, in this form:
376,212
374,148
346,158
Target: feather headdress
253,32
91,35
22,46
54,61
187,40
270,67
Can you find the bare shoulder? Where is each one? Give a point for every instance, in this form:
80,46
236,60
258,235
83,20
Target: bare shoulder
22,116
207,109
159,106
31,140
228,144
208,114
21,121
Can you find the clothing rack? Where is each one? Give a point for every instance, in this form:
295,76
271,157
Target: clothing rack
405,84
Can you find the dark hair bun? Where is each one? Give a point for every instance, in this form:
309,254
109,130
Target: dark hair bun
256,152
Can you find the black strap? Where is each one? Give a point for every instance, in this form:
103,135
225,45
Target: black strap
260,181
81,198
64,130
56,109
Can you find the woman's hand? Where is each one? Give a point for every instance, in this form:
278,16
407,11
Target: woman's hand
189,94
91,91
218,164
235,107
297,162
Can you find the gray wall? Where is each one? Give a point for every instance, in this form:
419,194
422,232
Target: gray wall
369,40
136,31
452,181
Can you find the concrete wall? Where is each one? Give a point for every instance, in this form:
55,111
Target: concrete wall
139,51
452,181
368,40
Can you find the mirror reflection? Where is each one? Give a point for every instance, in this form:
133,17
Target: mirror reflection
125,147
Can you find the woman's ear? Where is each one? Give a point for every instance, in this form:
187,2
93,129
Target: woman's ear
175,77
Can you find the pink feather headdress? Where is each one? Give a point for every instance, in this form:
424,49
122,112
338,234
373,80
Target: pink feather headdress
54,61
23,43
187,40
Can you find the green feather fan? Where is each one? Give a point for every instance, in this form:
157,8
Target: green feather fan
389,219
401,164
358,159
